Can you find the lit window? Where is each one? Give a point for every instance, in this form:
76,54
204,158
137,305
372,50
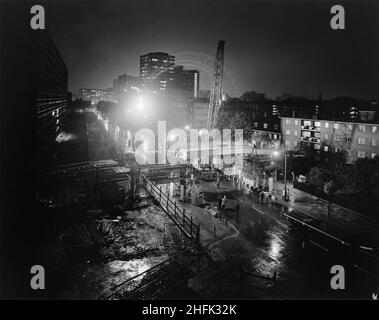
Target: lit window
373,129
373,143
288,131
361,154
336,126
255,124
265,125
326,148
295,132
295,143
326,136
288,121
326,124
317,146
361,141
296,122
306,134
317,124
362,128
373,155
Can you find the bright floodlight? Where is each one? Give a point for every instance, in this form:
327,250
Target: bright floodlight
275,153
187,127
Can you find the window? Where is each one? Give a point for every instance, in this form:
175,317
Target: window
373,155
326,124
326,136
373,143
361,154
295,132
287,143
373,129
317,124
288,121
317,146
350,127
288,131
255,124
361,141
307,123
265,125
362,128
336,126
295,143
276,127
326,148
296,122
306,134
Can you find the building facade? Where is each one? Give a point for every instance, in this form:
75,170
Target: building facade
157,71
358,139
187,82
124,85
96,95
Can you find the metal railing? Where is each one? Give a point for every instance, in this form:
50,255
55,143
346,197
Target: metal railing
163,277
174,210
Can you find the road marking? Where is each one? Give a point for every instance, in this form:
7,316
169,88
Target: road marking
261,212
365,271
319,245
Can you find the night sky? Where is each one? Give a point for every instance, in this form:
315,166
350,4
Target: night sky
272,46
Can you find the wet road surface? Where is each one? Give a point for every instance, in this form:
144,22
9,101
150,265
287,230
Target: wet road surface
300,257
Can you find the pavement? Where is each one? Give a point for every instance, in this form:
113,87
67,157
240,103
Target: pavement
343,223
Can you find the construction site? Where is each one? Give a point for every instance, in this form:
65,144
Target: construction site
120,228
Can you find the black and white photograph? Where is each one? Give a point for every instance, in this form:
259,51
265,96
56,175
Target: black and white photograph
168,152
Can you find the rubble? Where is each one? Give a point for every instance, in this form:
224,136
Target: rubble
133,243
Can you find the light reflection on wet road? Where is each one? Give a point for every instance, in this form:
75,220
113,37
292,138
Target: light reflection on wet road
301,259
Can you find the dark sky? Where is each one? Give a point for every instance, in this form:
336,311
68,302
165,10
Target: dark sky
272,46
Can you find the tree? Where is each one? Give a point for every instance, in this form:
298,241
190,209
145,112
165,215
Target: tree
239,121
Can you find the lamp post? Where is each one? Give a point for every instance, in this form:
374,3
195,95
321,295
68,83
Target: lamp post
285,176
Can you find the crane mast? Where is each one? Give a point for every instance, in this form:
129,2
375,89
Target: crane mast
215,99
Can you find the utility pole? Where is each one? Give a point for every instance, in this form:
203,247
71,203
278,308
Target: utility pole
285,176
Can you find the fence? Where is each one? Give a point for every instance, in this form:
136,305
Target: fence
156,281
174,210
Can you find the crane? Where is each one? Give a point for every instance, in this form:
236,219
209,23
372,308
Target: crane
215,99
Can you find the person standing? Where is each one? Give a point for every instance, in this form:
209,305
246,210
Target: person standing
223,204
261,197
219,200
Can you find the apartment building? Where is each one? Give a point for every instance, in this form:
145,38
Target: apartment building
359,140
